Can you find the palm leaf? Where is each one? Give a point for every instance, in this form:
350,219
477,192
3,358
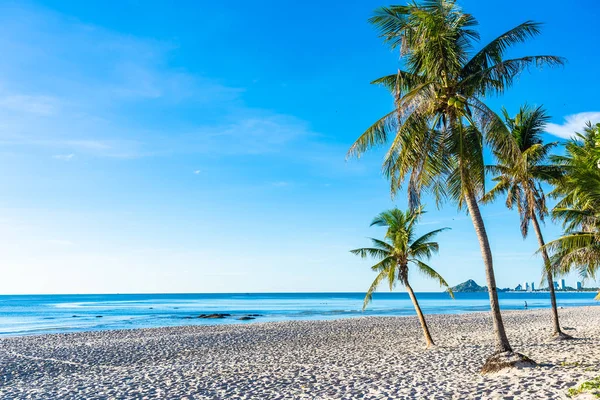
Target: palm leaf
375,135
494,51
369,296
370,252
431,273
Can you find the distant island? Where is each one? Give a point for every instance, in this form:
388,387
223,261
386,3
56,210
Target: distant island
471,286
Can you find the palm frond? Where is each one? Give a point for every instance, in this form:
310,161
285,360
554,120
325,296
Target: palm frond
375,135
496,78
433,274
493,52
426,237
369,296
370,252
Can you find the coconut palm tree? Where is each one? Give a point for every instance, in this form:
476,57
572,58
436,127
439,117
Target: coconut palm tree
399,249
519,176
440,122
579,247
579,206
579,185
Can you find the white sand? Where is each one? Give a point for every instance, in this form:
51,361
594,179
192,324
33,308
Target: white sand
370,358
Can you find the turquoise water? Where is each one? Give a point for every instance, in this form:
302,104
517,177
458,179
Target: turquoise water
35,314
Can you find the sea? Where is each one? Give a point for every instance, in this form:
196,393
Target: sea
40,314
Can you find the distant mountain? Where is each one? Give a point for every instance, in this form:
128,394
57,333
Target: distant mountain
469,287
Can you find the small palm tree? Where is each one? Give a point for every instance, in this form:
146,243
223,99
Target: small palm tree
397,251
519,176
441,123
579,206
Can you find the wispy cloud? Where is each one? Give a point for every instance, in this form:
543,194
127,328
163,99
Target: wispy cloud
85,90
197,172
78,87
260,132
572,124
60,242
64,157
280,184
88,144
38,105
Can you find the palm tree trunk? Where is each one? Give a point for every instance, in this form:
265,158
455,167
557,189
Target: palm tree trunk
428,339
538,232
502,344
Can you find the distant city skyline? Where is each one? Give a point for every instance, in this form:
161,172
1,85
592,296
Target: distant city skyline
559,285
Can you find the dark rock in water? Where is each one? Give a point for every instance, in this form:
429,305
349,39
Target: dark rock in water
255,315
98,316
214,316
245,318
75,316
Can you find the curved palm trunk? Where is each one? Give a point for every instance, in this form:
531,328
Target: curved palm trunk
426,333
502,344
538,232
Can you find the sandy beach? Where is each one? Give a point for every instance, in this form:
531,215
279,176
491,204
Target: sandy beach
369,358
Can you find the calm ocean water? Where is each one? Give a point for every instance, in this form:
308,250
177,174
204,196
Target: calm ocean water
35,314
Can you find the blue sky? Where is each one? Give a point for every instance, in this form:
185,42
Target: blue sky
200,148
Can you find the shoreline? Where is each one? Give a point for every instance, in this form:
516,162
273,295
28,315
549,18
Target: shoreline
373,357
92,313
259,322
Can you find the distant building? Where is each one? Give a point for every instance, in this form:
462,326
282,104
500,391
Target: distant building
532,286
519,287
563,286
555,285
525,286
579,286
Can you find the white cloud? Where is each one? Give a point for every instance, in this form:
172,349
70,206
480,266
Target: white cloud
572,124
64,157
197,172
